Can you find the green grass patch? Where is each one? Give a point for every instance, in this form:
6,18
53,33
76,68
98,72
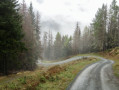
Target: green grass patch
61,80
54,78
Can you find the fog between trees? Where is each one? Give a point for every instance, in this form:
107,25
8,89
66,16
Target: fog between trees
102,34
21,46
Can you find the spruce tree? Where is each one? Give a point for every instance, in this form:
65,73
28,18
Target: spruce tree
76,40
10,35
99,25
37,35
57,46
113,35
31,12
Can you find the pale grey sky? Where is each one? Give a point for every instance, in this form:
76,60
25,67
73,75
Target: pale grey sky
62,15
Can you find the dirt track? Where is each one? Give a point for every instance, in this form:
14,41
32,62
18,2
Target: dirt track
98,76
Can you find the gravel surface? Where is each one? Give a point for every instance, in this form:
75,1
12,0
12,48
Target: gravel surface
98,76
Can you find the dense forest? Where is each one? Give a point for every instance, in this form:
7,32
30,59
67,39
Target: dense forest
102,34
21,45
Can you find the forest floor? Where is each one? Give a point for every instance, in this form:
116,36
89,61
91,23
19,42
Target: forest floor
56,77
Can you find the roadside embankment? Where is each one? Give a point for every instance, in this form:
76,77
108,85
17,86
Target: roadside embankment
56,77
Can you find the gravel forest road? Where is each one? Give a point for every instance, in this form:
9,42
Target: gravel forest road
98,76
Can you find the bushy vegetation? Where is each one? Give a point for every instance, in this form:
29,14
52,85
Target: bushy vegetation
53,78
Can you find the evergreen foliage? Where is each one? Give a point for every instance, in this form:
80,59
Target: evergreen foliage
10,36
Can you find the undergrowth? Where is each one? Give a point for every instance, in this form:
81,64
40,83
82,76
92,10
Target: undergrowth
54,78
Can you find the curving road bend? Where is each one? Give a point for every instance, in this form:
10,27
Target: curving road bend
98,76
61,62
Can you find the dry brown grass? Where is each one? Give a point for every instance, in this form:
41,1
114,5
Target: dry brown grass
113,54
50,78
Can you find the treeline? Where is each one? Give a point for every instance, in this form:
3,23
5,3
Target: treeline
20,41
31,39
20,45
62,46
59,48
102,34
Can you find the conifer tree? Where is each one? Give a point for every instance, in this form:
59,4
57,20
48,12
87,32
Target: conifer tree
76,40
113,32
58,46
99,25
45,45
10,36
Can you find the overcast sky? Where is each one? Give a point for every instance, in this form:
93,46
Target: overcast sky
62,15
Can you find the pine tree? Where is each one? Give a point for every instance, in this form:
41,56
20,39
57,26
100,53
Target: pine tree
66,46
99,25
32,15
10,36
86,40
45,45
113,35
31,38
58,46
76,40
38,33
49,46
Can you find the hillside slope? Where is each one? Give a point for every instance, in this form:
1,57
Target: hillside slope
114,55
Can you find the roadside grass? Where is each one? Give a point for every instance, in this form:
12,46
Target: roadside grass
112,54
52,78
